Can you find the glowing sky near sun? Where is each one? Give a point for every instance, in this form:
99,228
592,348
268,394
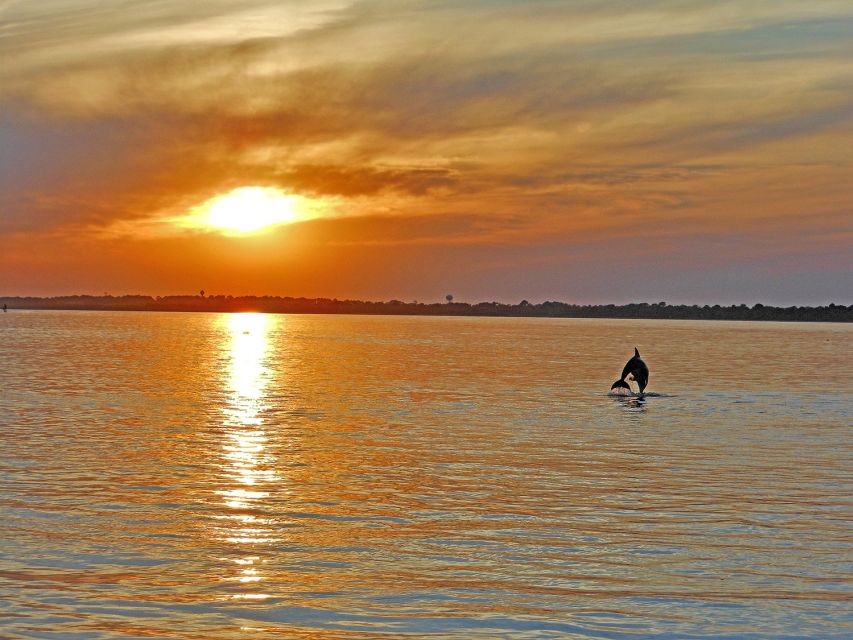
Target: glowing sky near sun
245,210
604,151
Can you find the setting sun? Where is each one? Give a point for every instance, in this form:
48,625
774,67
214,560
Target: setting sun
247,210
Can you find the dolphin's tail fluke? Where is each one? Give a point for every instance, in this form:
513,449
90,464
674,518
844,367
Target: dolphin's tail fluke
620,384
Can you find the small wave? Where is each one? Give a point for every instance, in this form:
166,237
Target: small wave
625,393
620,392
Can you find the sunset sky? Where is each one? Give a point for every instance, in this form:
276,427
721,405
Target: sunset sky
586,151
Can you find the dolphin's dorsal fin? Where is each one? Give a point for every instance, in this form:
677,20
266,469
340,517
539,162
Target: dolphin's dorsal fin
636,353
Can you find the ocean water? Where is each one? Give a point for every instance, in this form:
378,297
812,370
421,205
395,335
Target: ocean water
215,476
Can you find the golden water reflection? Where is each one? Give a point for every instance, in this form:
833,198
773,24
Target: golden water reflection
248,470
413,476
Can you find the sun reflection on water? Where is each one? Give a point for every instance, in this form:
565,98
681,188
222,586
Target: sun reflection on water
248,470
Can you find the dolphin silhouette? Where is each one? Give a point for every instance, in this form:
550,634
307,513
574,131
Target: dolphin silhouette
637,369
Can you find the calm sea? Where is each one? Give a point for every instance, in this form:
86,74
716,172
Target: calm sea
267,476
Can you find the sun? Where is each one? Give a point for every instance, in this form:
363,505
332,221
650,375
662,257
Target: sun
246,211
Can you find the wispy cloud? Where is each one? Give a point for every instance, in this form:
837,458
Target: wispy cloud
437,124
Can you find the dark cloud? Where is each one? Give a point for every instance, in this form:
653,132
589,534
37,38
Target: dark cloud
360,181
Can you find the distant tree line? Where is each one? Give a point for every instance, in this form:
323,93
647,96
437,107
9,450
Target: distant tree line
548,309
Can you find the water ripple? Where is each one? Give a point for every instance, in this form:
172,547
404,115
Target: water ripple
212,476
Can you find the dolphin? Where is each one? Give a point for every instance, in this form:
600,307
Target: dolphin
637,369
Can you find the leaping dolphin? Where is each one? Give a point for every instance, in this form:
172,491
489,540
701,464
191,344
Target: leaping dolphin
637,369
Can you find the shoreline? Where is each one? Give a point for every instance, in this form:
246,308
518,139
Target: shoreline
324,306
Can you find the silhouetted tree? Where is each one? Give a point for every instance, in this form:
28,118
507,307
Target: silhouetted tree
275,304
449,298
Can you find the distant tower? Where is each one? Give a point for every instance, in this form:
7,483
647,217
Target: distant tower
201,293
449,298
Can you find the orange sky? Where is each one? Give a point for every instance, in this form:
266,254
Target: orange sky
689,151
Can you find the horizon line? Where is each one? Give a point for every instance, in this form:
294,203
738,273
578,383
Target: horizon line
202,295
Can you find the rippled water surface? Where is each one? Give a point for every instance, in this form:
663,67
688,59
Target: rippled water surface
254,476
